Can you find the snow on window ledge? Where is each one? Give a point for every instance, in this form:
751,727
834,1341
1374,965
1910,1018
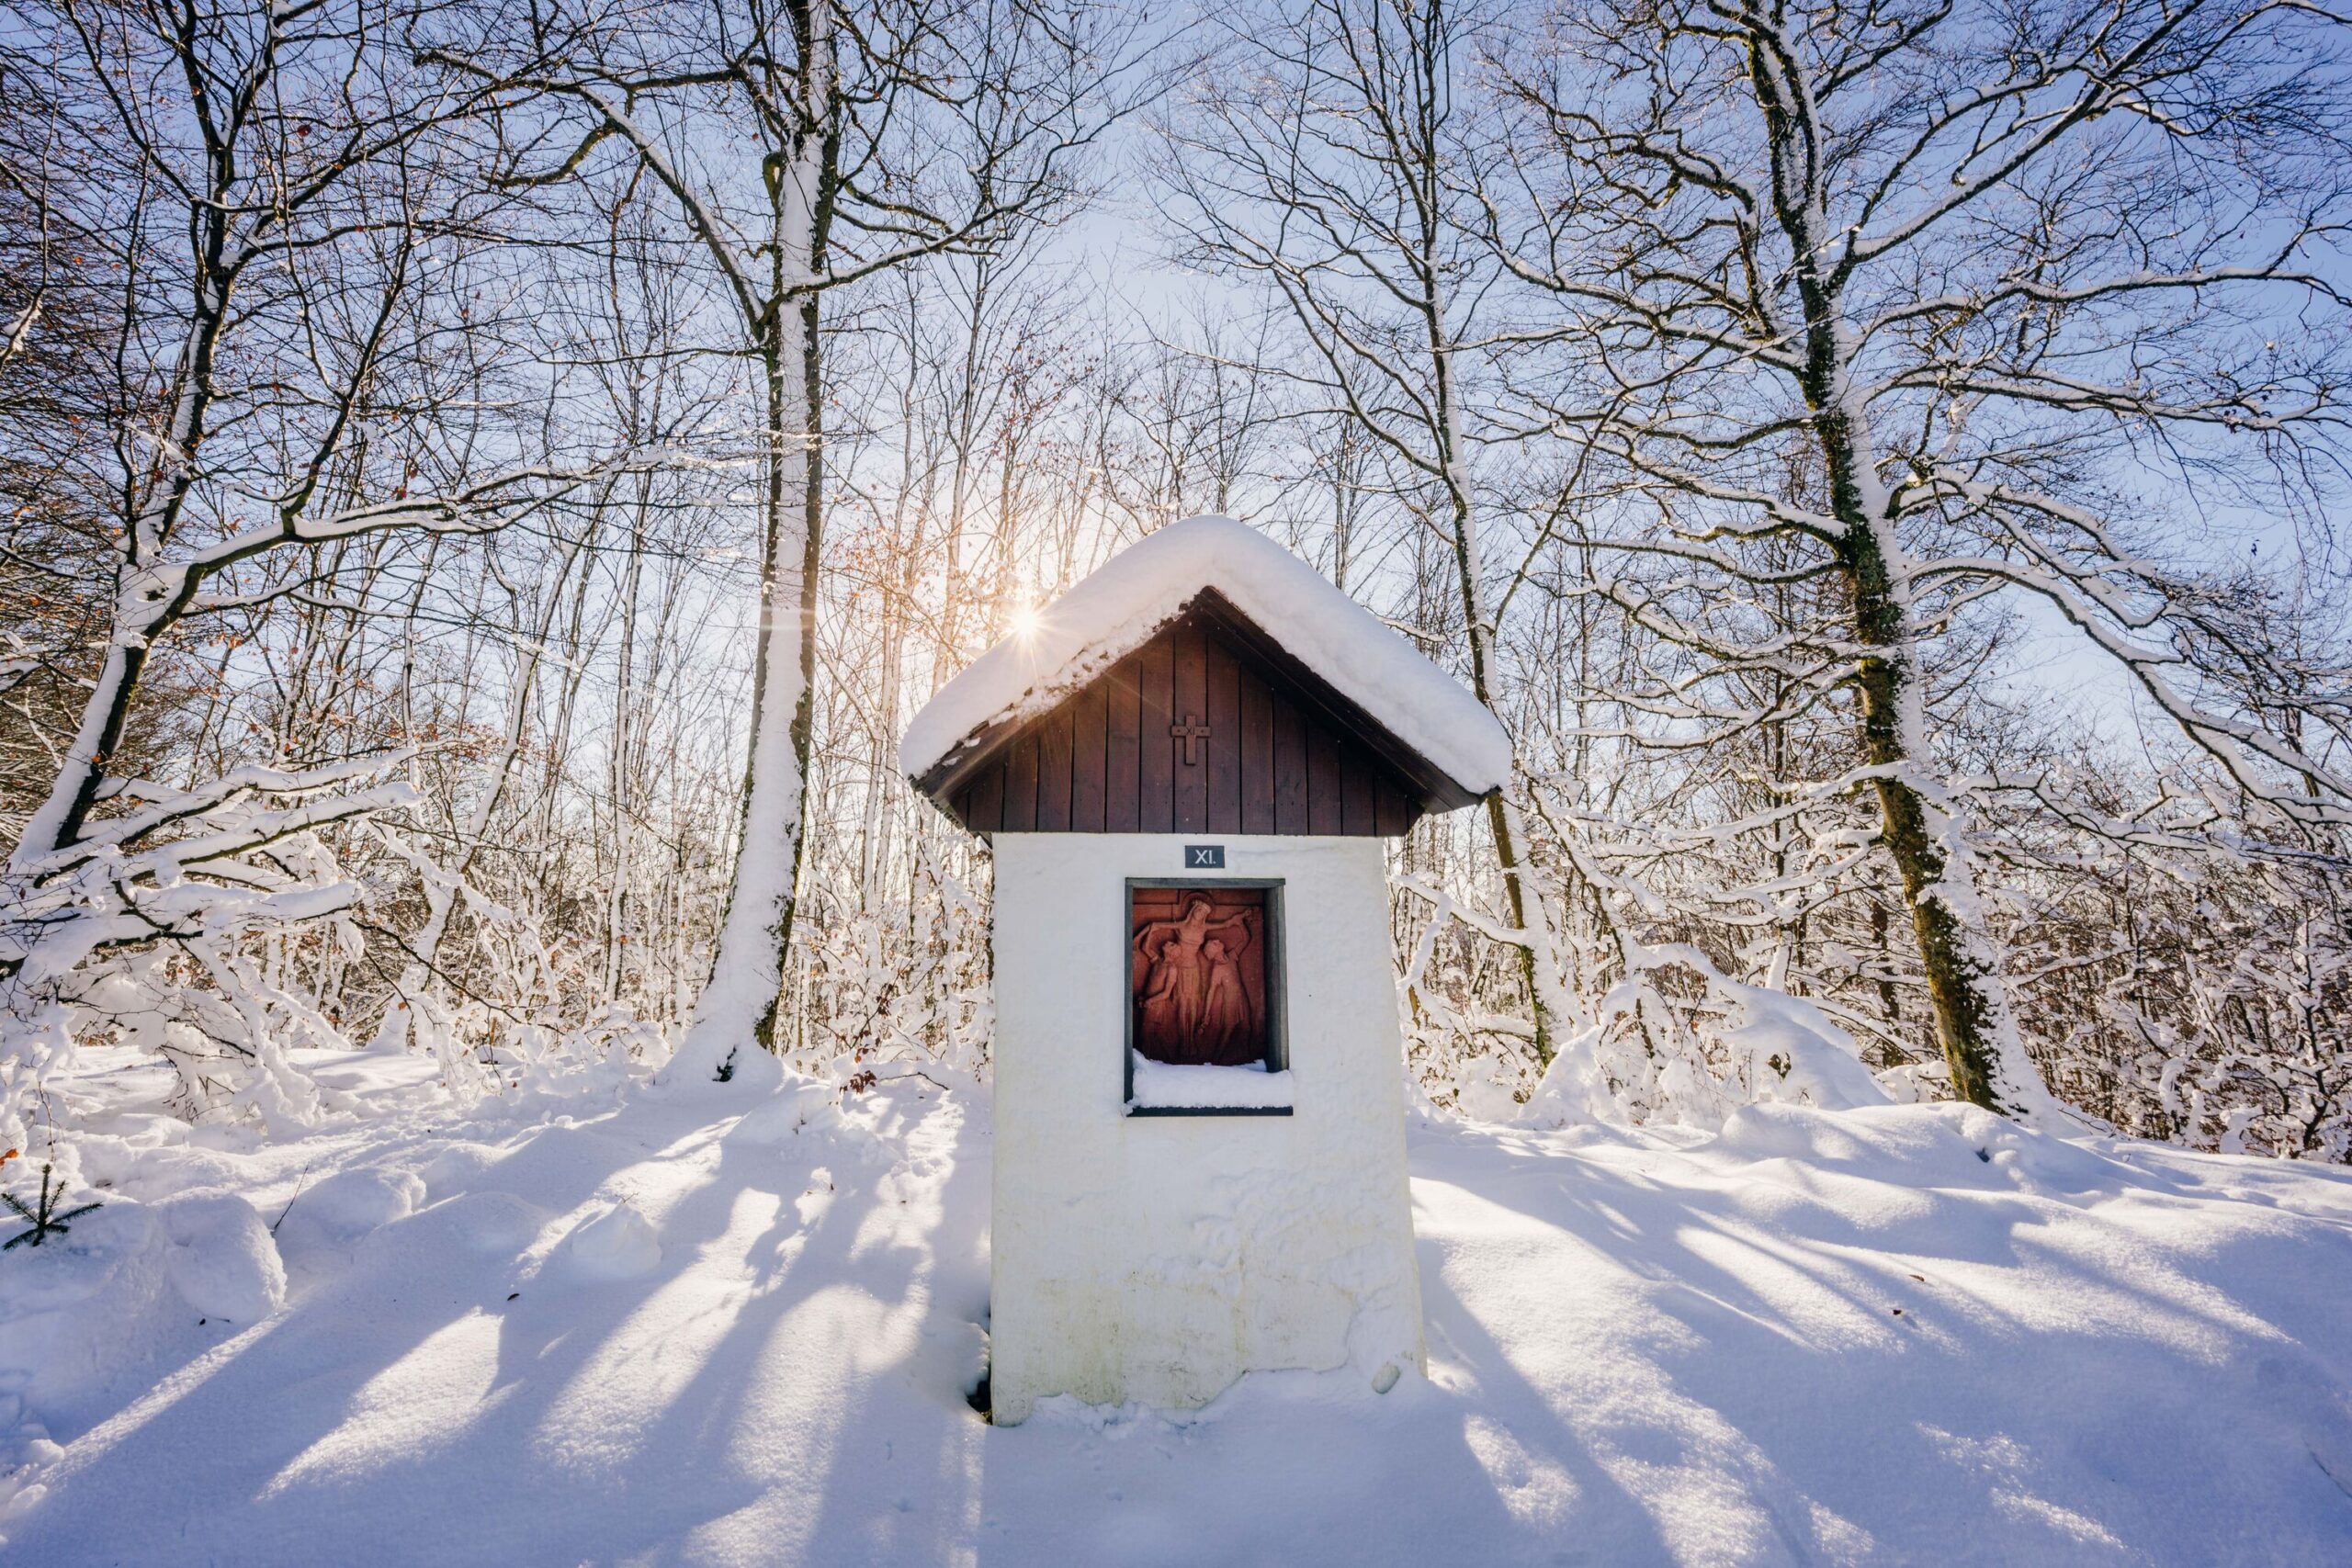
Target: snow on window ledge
1161,1087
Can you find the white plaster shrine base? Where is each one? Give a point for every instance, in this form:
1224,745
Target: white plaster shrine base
1156,1260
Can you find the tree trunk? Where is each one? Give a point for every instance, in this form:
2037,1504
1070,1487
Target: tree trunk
1538,964
735,1020
740,1003
1926,837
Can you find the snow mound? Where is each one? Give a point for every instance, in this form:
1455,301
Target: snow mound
1126,601
224,1261
350,1203
455,1167
616,1243
779,1119
153,1174
1924,1148
715,1067
68,1270
1796,1054
490,1223
90,1314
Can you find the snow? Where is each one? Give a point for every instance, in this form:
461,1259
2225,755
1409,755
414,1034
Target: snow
224,1261
1166,1085
1883,1335
350,1203
616,1243
1126,602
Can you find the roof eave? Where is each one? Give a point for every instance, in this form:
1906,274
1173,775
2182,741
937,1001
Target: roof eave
1437,790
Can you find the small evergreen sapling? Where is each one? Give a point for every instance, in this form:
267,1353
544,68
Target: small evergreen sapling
44,1219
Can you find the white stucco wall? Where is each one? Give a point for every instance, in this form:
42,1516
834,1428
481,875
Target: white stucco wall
1156,1260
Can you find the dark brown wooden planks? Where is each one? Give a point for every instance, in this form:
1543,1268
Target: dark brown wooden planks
1020,784
1088,758
1054,737
1257,780
1122,800
1105,760
1191,708
1290,768
1221,751
1156,680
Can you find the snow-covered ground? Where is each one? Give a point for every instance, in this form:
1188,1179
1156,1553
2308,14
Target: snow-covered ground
635,1327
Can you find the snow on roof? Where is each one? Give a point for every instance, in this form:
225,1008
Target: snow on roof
1136,592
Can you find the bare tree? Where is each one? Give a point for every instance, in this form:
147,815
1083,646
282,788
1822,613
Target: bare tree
808,146
1974,265
1324,165
269,193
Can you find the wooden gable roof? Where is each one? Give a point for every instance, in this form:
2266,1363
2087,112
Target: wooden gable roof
1280,750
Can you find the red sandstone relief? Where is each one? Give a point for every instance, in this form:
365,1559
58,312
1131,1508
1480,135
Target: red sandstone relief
1197,974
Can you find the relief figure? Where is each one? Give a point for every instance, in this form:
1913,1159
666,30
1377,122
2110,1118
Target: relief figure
1192,1004
1227,1021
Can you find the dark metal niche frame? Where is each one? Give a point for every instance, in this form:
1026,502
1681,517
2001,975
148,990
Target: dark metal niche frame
1277,996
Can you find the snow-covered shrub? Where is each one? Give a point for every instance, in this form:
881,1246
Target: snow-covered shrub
199,925
909,978
2190,985
1672,1039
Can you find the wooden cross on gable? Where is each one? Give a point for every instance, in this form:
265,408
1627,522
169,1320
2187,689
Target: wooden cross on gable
1192,733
